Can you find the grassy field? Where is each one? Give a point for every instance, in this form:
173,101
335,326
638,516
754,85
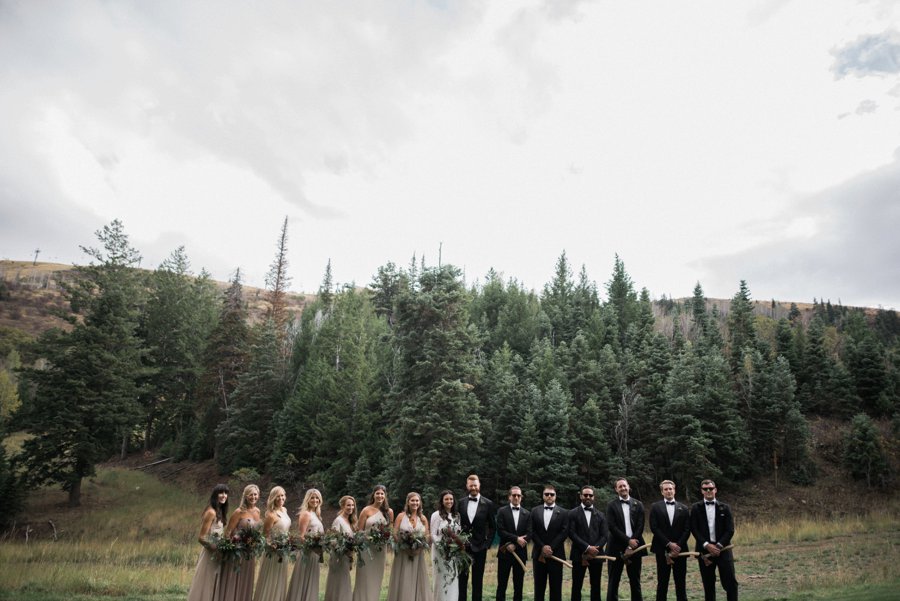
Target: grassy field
135,539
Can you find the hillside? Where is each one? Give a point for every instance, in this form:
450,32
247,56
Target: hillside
31,296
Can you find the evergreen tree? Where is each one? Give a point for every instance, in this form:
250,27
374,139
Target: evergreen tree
434,412
582,371
174,326
503,394
334,417
520,321
277,282
557,302
223,360
544,455
824,384
622,297
526,460
85,399
863,453
720,417
741,333
592,450
261,389
866,364
386,287
544,367
685,450
326,288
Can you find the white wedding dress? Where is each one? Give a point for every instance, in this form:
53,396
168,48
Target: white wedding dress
446,584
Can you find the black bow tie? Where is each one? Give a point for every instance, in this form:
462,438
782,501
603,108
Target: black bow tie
473,499
626,501
515,509
549,507
670,502
710,502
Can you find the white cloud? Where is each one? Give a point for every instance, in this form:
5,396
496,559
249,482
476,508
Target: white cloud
875,54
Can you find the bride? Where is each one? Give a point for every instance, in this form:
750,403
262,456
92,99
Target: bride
446,578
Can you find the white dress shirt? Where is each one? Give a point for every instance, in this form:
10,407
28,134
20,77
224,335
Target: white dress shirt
626,511
472,507
548,515
515,515
711,521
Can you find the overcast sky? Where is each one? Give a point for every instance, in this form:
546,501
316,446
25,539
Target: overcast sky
702,141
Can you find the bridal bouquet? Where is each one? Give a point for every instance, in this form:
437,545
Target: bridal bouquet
283,546
379,536
251,541
451,551
313,543
225,549
339,545
411,542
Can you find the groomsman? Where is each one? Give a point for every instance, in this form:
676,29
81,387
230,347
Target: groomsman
477,516
713,526
514,528
549,527
588,532
671,527
625,517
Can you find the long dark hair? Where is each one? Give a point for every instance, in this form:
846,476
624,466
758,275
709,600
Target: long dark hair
220,509
454,511
385,505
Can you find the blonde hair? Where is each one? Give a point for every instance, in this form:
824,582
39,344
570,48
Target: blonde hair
309,494
247,490
352,518
664,482
273,494
406,505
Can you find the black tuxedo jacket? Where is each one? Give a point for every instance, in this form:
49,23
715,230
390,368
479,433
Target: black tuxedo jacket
583,534
700,525
615,518
554,535
664,533
483,527
509,532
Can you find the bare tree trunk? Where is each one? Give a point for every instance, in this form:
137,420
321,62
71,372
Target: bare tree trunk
75,494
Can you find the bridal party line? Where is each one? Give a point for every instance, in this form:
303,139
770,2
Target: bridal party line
458,537
255,555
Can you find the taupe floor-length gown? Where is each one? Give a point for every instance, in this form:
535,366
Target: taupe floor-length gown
203,586
409,575
237,584
304,584
338,586
272,583
370,576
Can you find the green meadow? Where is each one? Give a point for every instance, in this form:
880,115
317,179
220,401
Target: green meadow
135,538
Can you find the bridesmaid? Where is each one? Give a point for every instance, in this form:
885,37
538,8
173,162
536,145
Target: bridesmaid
273,572
305,579
237,584
446,583
338,586
203,585
409,576
370,575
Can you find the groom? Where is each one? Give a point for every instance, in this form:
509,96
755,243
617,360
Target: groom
478,518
